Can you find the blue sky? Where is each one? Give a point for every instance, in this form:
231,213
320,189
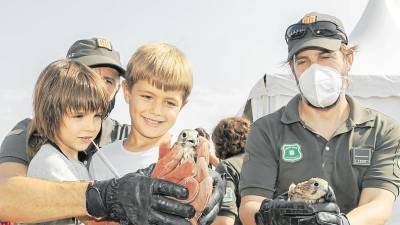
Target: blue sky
230,43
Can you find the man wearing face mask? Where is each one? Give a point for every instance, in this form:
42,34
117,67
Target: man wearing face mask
322,132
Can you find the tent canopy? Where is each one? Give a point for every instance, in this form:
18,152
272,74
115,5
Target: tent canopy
377,35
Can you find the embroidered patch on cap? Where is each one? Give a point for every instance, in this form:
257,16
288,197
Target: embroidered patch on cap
309,19
291,152
104,43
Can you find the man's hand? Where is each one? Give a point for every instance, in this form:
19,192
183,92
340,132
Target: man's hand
138,199
280,211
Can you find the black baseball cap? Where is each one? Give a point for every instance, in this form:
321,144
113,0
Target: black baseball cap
96,52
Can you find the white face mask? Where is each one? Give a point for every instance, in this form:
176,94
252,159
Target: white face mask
320,85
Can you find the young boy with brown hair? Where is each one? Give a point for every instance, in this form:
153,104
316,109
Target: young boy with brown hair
69,102
158,83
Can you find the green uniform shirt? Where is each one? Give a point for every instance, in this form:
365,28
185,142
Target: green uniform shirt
231,201
13,148
363,152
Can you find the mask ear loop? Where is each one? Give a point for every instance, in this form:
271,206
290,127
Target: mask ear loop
345,78
292,68
294,75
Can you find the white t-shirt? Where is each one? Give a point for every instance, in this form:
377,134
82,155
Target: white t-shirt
50,164
122,160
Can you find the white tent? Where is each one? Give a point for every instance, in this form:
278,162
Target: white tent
375,73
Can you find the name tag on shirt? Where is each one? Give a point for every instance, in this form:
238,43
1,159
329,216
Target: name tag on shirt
361,156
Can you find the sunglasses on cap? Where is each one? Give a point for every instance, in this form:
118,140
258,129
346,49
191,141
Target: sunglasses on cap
318,29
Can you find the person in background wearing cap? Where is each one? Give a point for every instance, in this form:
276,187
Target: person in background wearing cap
98,54
322,132
44,201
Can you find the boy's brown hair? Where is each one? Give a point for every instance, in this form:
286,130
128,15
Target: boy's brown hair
162,65
229,136
63,87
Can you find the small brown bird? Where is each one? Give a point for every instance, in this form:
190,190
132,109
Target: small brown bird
188,139
309,191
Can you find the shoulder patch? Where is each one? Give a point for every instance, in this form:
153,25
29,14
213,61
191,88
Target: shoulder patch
15,132
228,197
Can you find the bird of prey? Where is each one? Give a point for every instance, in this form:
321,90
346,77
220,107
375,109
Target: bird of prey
188,140
309,191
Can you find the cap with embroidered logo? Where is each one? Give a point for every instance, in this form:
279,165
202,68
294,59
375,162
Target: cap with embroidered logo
96,52
315,30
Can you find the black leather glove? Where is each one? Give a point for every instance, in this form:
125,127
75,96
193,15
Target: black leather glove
282,212
215,201
138,199
147,171
325,218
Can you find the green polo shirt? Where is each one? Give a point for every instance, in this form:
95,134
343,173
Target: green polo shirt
363,152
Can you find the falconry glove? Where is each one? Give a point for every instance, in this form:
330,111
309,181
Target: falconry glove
326,218
138,199
282,212
298,206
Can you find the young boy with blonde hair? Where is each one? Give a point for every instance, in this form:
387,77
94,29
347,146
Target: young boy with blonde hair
158,83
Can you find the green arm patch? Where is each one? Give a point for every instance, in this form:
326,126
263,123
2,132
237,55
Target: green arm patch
228,197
